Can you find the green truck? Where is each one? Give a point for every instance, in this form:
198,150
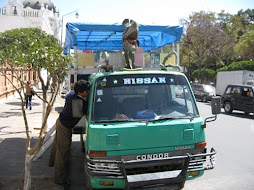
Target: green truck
144,131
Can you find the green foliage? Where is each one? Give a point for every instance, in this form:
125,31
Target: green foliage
206,41
245,46
31,49
205,75
34,49
241,65
209,39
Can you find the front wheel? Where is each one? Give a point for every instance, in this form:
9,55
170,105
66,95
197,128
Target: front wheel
246,113
204,98
82,143
228,107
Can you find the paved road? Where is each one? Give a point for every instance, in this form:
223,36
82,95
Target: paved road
231,135
12,147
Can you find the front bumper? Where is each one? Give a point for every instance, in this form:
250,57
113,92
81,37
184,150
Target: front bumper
168,172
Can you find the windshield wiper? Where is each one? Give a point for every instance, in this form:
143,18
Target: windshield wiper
161,118
114,121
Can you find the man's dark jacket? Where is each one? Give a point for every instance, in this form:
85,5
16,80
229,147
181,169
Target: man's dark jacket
66,117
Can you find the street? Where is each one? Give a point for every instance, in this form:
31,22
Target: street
232,137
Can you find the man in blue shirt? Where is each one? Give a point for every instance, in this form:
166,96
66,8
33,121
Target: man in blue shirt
61,147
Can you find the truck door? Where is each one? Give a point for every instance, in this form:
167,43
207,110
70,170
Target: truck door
236,98
247,99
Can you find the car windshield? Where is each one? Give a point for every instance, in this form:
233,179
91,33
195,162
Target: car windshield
142,97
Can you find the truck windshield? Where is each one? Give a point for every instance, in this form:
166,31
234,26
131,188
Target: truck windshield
142,97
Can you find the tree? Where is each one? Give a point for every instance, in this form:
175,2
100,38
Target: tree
188,61
245,46
208,75
240,26
30,49
209,38
240,65
205,40
242,22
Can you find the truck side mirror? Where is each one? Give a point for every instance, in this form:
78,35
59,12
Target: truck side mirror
77,108
216,109
216,105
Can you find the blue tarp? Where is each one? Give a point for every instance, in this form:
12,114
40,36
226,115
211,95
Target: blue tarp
109,37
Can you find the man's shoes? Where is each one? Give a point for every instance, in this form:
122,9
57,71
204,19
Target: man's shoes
51,164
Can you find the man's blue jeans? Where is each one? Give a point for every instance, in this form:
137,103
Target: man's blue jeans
29,101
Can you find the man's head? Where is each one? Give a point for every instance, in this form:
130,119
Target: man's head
82,88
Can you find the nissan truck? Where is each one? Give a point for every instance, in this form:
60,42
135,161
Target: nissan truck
161,141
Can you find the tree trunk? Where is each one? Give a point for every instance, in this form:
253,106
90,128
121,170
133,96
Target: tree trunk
44,106
28,169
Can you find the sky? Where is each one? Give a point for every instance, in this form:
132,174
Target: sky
147,12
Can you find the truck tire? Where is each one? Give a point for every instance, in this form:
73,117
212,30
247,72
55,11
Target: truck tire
82,143
228,107
88,186
246,113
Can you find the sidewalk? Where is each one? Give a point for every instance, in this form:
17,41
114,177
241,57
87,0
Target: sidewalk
12,148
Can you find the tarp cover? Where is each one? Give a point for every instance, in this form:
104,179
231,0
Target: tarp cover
109,37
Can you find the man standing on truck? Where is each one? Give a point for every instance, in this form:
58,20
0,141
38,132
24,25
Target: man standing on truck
61,147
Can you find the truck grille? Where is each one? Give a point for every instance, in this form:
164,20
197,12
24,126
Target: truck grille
103,168
116,168
174,165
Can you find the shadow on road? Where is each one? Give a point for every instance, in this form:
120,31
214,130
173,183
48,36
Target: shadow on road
19,103
239,114
12,161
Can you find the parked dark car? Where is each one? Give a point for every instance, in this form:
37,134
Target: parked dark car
238,97
203,92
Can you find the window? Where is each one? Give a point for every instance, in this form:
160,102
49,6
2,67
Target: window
228,91
236,90
247,92
142,97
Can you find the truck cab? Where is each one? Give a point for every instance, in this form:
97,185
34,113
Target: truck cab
141,132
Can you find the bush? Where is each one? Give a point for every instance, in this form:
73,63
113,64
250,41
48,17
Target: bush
205,75
241,65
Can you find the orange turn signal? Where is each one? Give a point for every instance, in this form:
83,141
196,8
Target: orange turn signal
193,173
106,183
200,145
93,153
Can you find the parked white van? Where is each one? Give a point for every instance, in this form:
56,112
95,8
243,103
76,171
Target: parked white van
249,82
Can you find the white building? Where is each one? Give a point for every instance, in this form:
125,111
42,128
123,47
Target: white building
27,14
30,13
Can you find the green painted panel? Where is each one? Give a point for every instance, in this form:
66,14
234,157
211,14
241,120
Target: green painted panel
128,137
118,183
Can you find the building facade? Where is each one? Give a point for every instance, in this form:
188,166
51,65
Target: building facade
27,14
